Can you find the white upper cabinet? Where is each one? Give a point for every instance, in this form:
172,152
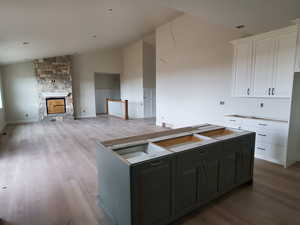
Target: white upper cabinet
264,64
242,69
263,67
284,65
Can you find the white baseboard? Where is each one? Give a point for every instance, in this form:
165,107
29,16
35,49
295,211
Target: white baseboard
21,121
85,116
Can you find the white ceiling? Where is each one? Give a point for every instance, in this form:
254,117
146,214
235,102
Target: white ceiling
58,27
257,15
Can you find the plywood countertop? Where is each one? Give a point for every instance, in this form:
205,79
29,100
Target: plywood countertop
153,135
257,118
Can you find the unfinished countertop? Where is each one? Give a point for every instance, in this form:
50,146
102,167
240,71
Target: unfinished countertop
256,118
149,146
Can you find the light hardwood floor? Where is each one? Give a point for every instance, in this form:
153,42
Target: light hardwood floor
48,177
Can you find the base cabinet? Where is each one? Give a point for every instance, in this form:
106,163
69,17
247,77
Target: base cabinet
205,173
161,190
237,162
197,176
271,137
152,192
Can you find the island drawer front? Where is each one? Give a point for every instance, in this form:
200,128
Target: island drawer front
191,158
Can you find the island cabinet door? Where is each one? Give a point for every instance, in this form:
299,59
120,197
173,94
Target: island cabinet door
197,176
237,161
152,192
228,166
209,176
245,158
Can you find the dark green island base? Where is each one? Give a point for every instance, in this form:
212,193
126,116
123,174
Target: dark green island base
157,178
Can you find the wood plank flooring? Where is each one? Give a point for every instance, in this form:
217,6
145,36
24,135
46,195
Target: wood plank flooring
48,177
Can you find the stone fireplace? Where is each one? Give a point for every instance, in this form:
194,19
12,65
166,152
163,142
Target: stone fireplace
55,87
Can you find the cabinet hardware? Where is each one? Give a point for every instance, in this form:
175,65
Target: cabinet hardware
263,135
263,149
269,91
273,89
157,163
262,124
248,91
232,120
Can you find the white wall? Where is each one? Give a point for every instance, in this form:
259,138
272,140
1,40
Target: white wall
20,92
132,79
149,79
293,153
149,66
84,67
2,110
194,73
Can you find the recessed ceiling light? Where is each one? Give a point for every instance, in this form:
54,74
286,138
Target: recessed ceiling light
25,43
240,26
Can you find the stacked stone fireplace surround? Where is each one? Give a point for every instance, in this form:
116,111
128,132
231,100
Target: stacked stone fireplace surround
54,77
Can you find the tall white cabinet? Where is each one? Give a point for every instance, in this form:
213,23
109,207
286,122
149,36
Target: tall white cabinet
264,64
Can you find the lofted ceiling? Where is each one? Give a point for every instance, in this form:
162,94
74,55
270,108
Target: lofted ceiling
257,15
58,27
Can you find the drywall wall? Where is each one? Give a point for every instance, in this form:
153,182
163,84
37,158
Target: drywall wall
107,86
293,153
149,79
132,79
107,81
2,108
138,79
20,93
194,73
149,65
84,68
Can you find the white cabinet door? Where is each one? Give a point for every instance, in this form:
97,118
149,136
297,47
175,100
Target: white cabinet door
242,69
284,65
263,67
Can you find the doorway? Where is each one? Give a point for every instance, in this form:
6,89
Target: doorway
106,86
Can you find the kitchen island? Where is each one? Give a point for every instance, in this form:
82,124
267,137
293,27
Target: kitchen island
157,178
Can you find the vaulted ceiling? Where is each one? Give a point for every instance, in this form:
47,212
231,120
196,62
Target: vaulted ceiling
257,15
58,27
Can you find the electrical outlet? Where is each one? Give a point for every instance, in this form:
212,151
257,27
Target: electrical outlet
222,102
26,115
261,105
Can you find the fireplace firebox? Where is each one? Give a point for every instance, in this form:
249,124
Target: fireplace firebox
56,105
